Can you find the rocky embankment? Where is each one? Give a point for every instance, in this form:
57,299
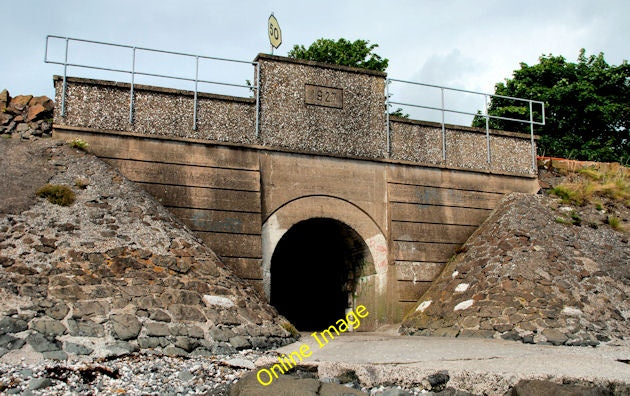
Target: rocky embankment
25,116
525,275
111,273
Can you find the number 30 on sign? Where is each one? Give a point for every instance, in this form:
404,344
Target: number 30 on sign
275,34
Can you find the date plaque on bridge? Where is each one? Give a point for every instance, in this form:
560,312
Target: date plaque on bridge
323,96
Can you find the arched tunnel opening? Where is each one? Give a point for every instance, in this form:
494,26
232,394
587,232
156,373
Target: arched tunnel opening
315,268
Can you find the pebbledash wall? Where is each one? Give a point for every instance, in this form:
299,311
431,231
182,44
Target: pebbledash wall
321,152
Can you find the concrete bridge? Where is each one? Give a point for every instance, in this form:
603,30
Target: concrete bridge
308,193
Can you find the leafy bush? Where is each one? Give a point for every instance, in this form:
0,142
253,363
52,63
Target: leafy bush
57,194
586,106
341,52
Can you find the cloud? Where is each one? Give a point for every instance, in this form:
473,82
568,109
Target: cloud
452,70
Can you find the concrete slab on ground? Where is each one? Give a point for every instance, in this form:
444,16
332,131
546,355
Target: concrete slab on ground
475,365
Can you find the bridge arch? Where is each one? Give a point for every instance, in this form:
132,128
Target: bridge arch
352,253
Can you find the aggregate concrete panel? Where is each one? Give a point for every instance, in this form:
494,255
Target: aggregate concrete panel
157,111
418,143
511,154
466,147
356,128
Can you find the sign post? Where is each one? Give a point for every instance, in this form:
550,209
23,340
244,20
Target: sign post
275,34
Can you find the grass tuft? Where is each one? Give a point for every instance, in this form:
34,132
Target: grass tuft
57,194
576,219
78,144
612,183
614,222
291,329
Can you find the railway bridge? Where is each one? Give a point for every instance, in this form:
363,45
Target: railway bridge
308,189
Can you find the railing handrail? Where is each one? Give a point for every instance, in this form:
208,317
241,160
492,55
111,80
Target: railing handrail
486,115
134,72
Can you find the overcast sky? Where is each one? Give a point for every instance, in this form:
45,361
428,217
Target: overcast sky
460,43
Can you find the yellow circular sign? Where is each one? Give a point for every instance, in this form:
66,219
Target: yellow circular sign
275,35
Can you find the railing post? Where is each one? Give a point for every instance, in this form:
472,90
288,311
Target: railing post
65,83
387,126
531,128
489,158
133,75
258,85
196,87
443,127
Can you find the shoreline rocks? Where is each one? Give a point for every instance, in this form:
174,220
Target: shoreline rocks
114,272
25,116
523,276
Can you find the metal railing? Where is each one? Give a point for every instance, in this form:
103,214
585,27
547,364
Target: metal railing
487,116
133,73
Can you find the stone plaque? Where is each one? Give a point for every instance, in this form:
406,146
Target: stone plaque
323,96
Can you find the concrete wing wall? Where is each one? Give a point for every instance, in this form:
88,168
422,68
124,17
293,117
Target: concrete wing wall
214,190
432,213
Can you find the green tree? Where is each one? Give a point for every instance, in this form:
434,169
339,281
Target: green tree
587,107
341,52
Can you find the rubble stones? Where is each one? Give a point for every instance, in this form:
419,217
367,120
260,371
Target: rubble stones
77,349
540,387
24,116
125,326
532,280
75,293
42,344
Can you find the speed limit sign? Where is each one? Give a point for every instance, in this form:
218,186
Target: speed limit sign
275,35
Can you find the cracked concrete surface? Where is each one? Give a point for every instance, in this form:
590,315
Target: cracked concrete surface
480,366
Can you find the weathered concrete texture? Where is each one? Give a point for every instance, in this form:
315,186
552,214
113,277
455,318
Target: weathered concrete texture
310,160
432,213
356,129
351,125
241,202
526,277
479,366
157,111
420,141
114,272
